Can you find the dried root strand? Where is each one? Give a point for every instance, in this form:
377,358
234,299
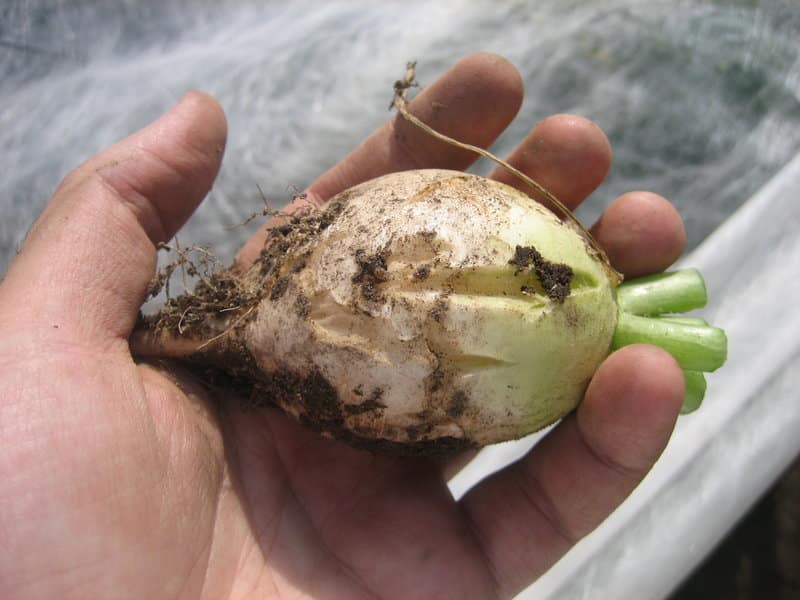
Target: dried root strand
268,211
216,290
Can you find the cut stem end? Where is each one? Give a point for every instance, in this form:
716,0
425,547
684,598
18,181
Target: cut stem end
698,347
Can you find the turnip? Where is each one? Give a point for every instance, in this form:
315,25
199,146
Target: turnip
427,311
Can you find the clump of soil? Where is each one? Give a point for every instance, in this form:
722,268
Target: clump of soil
288,245
556,278
371,273
371,403
422,272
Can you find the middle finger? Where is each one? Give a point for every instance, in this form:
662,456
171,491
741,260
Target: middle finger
568,155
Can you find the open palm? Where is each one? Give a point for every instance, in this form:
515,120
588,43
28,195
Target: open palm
126,480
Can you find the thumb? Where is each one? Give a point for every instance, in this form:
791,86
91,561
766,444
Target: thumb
86,263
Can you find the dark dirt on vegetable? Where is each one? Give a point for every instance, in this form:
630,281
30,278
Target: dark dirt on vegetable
319,405
555,278
372,271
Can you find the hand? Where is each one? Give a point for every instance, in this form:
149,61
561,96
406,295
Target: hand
121,480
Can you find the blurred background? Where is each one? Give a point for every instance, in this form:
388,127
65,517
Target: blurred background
700,99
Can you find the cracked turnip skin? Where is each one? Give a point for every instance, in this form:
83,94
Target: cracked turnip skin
413,315
409,320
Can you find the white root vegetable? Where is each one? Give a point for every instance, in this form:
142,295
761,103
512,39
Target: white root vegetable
422,310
